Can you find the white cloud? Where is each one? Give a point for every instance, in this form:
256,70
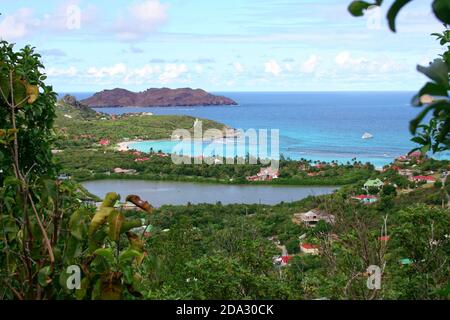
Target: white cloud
199,68
238,67
115,70
17,25
272,67
65,72
345,59
172,72
288,67
143,17
309,66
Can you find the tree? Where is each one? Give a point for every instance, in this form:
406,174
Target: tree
44,227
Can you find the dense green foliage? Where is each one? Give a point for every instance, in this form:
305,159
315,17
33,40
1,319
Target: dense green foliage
224,252
20,82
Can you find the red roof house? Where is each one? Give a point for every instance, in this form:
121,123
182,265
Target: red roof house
367,199
309,248
285,259
104,142
427,179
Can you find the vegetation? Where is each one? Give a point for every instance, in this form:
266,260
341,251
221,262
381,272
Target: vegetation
204,251
80,128
46,229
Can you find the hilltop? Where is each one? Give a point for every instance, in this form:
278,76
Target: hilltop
154,97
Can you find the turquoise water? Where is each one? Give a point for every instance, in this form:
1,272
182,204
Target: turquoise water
313,125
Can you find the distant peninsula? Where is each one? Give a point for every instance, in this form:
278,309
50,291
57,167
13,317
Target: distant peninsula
154,97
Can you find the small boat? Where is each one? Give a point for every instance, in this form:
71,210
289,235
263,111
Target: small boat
367,136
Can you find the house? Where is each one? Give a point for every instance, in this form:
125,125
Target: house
376,183
285,260
313,174
264,174
141,159
63,176
366,199
124,171
161,155
417,156
406,261
427,179
312,217
308,248
406,172
104,142
281,260
384,238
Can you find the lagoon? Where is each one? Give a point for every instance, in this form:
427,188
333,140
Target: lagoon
160,193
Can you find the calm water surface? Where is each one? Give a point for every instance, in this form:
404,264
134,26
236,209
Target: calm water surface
159,193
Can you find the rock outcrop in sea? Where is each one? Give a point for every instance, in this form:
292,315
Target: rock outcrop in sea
163,97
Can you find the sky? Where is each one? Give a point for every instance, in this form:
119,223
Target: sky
232,45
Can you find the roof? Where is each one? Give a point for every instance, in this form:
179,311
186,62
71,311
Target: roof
416,154
316,214
406,261
104,142
384,238
426,178
268,171
364,196
286,259
373,183
309,246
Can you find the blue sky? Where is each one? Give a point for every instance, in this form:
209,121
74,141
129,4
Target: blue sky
232,45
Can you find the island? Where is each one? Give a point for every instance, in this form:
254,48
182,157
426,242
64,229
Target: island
154,97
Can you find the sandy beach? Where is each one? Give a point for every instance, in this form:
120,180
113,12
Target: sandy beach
124,146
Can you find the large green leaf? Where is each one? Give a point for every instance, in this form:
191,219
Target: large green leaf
108,287
432,89
129,255
99,219
436,106
73,250
437,71
44,278
81,293
441,9
393,12
110,199
116,220
20,92
77,224
105,253
357,8
129,224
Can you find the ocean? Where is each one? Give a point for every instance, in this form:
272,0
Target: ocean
313,125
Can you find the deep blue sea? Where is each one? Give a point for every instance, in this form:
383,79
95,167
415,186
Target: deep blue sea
316,125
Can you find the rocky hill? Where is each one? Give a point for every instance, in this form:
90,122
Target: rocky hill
163,97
